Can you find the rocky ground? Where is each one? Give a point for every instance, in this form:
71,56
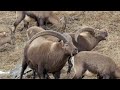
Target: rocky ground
10,57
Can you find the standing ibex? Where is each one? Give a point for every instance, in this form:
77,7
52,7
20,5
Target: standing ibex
103,66
45,56
40,17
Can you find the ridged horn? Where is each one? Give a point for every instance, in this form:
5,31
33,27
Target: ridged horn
86,29
43,33
49,32
67,36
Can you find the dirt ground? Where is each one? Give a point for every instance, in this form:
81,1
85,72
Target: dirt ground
110,20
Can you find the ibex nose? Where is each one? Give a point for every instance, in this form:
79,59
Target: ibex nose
75,51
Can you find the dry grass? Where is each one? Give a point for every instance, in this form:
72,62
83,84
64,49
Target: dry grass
97,19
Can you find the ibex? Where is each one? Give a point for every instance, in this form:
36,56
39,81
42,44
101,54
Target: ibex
99,64
87,38
41,17
45,56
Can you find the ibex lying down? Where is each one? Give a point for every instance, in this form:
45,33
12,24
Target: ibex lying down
40,17
6,37
45,56
96,63
87,38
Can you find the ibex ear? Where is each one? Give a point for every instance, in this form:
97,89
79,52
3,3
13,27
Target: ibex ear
61,43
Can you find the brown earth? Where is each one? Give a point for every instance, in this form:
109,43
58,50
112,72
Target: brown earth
110,20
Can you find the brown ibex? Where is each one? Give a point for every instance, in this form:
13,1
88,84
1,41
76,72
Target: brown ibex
45,56
99,64
40,17
87,38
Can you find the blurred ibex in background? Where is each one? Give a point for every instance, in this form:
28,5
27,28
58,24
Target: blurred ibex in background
41,17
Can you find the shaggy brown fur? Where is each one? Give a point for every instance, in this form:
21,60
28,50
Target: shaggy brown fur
40,17
45,56
96,63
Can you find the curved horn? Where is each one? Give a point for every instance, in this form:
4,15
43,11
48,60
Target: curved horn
67,36
86,29
43,33
49,32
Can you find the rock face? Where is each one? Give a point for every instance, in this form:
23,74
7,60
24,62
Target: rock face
28,74
15,73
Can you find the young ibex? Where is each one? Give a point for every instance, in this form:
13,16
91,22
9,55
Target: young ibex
96,63
6,37
40,17
45,56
